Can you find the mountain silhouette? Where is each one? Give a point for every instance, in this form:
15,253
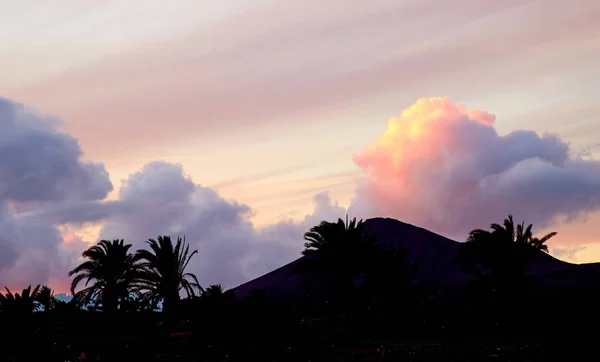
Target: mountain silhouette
436,258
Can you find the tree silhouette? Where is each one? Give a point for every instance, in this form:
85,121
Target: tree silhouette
501,255
339,252
540,243
163,273
110,272
213,292
520,234
19,303
45,296
215,295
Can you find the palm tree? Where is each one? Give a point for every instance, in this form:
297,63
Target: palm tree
340,252
214,300
505,250
521,234
163,273
215,294
110,272
540,243
19,303
45,296
213,291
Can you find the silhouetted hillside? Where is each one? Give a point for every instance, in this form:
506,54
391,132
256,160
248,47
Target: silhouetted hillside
435,255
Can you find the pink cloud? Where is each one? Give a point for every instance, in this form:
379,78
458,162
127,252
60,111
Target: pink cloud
444,167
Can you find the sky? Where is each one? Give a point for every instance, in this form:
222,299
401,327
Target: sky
243,123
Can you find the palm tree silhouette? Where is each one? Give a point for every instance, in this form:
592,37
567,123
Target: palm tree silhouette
214,300
19,303
213,291
163,273
504,251
45,296
509,233
340,252
215,294
110,272
519,234
540,243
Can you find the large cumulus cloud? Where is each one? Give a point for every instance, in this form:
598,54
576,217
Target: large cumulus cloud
161,200
39,167
445,167
47,192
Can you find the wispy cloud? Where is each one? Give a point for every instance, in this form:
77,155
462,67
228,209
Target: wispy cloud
275,60
312,164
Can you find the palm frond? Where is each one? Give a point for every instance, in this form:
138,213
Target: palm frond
163,268
109,273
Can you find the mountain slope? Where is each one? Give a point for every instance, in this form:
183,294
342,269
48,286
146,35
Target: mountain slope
436,255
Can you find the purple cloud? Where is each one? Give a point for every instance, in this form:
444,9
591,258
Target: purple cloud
41,167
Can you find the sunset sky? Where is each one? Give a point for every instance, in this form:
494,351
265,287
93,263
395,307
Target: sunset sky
242,123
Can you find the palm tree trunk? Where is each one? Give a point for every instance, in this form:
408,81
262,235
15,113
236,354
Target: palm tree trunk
169,309
170,303
110,301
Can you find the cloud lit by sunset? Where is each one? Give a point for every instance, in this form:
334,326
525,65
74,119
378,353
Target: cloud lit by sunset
445,167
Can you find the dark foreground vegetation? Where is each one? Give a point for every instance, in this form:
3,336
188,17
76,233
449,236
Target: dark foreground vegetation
369,307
